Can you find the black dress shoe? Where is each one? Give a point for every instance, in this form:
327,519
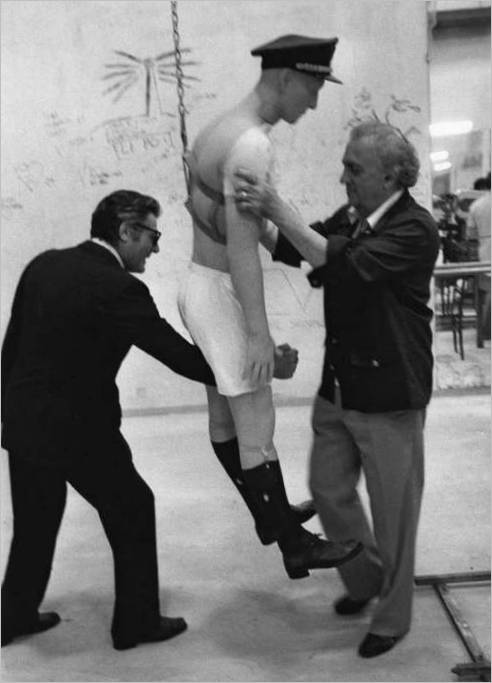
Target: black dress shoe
308,551
374,645
346,605
43,622
167,628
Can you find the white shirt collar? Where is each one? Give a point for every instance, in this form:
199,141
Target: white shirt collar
375,216
110,248
383,208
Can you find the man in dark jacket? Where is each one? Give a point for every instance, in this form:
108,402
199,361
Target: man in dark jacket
75,315
374,258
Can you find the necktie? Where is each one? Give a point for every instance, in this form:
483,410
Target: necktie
362,226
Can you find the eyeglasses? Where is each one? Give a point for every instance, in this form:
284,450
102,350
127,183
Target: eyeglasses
155,233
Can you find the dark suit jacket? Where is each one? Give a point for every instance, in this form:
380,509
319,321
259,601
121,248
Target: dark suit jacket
75,315
376,290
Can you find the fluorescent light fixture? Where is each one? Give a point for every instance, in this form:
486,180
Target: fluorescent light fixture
439,156
442,166
444,128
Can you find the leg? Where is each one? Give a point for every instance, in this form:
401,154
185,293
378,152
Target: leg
254,418
223,438
334,475
225,444
38,502
391,445
483,310
109,481
485,318
226,447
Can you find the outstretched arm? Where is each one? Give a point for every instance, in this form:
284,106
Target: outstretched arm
260,198
268,235
137,321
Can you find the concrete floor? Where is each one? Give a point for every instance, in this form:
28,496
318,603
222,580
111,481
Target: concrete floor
247,620
453,372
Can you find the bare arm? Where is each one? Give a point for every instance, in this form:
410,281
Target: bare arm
243,235
247,277
245,267
268,235
310,244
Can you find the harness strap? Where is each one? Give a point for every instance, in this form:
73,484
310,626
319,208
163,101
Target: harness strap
209,230
208,191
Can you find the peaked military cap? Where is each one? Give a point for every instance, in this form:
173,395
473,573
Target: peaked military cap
301,53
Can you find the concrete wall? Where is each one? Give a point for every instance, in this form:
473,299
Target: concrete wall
66,143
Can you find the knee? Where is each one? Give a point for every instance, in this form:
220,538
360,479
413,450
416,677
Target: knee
320,486
254,455
315,486
143,501
141,514
220,421
148,495
260,451
221,428
316,479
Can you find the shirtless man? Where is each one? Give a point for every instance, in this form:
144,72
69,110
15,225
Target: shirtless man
222,303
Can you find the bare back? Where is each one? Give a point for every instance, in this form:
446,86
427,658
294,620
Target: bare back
236,139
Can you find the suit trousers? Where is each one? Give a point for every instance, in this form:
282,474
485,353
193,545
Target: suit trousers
388,449
108,480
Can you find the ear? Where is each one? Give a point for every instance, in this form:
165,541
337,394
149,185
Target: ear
284,78
123,232
390,178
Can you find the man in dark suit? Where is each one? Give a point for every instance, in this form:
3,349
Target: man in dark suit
374,258
75,315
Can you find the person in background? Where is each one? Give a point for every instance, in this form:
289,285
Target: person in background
478,228
75,315
482,183
222,302
374,258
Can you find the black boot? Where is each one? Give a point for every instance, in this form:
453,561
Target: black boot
301,550
227,453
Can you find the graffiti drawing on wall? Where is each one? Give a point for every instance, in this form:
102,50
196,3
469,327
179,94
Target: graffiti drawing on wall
364,109
125,74
33,175
9,205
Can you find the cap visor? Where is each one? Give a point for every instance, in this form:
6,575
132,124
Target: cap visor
333,79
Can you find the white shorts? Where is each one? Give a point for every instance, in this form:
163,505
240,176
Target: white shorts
213,316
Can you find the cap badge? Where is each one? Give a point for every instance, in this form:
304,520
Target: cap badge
316,68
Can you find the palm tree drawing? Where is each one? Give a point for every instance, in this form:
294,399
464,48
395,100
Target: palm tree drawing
161,68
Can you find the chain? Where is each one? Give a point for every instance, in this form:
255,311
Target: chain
180,88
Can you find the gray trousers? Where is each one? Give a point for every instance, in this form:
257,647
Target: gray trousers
388,448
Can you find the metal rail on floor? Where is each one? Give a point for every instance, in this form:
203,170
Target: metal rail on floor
479,668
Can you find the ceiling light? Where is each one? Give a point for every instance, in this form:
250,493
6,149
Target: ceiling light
442,166
439,156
